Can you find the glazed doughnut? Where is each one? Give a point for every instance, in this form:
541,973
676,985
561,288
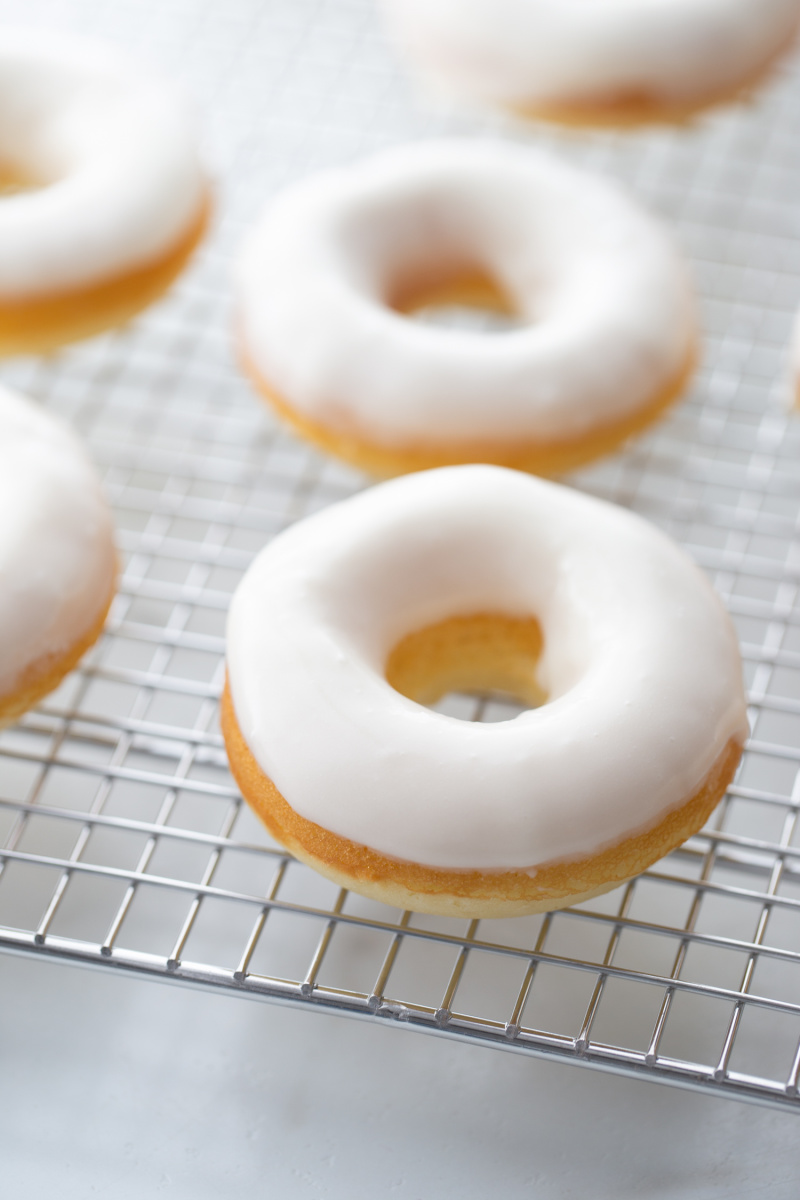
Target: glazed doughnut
607,339
105,199
57,558
609,61
794,362
476,577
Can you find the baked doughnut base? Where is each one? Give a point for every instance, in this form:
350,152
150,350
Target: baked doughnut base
628,109
466,893
43,323
536,457
47,673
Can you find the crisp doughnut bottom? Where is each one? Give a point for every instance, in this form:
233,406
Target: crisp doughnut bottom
46,673
536,457
426,664
628,109
42,323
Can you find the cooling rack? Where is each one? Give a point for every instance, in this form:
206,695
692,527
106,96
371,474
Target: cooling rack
123,841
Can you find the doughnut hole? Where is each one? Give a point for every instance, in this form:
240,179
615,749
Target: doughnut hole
30,161
15,178
470,299
485,653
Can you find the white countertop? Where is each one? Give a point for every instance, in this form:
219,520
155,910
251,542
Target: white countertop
118,1087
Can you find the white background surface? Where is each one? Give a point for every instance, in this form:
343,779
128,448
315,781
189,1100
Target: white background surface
116,1087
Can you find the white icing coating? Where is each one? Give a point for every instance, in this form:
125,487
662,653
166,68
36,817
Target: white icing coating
111,147
640,662
57,559
528,52
605,295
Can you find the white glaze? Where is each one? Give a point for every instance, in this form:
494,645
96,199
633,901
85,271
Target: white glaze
112,148
57,558
605,293
536,52
640,662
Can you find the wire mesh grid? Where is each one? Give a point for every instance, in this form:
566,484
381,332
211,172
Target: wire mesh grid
123,841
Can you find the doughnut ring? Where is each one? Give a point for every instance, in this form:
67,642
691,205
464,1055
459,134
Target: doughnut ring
608,62
57,557
476,577
105,197
607,339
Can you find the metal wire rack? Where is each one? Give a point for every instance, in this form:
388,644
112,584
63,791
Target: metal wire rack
123,841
